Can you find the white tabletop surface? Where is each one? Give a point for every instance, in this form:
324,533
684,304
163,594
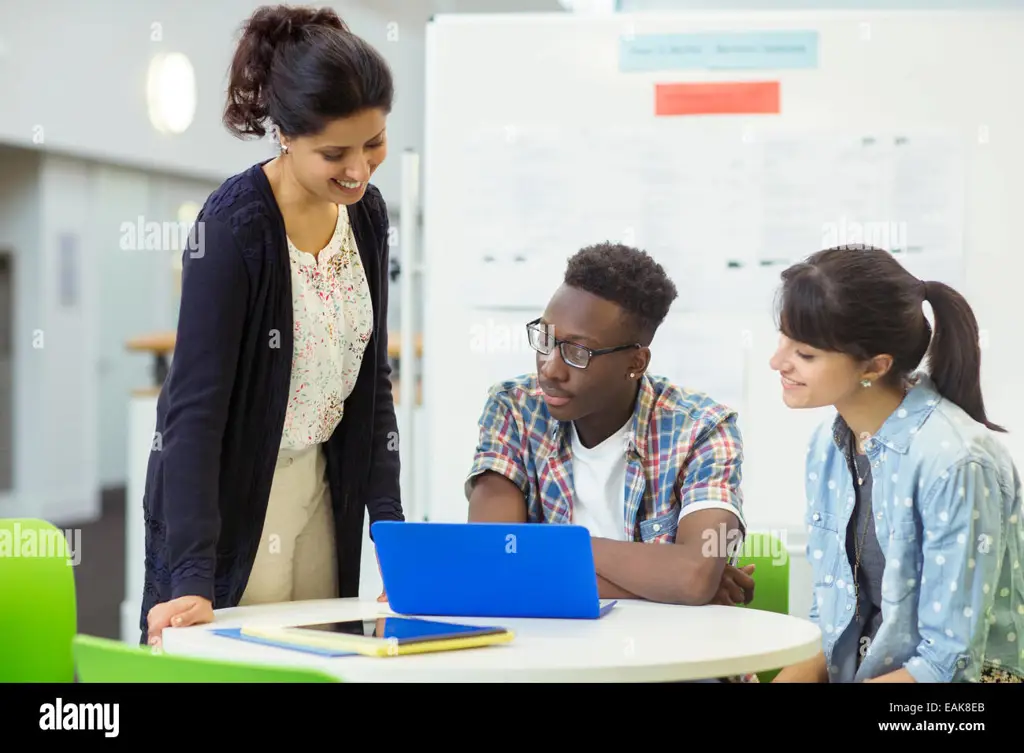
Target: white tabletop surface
637,641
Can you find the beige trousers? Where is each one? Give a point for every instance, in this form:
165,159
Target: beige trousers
297,558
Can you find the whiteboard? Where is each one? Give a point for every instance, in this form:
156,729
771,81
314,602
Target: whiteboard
538,142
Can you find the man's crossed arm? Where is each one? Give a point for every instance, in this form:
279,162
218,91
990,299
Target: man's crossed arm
681,573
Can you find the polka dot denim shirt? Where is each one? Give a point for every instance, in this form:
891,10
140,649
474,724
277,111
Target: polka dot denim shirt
947,512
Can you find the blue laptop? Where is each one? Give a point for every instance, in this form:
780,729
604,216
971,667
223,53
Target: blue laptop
537,570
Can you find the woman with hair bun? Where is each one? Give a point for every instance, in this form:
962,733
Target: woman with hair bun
915,527
276,421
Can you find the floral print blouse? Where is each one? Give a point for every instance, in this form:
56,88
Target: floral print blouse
333,321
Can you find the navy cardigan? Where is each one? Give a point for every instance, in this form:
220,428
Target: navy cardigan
221,410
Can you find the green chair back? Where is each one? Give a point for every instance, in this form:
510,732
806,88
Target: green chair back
771,574
103,660
771,577
38,610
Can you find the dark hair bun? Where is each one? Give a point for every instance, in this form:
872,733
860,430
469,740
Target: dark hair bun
270,28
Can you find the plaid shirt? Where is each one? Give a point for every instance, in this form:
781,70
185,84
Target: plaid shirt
683,452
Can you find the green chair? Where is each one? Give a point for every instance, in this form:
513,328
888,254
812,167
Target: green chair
102,660
38,609
771,575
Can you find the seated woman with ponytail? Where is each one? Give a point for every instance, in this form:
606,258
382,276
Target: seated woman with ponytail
915,532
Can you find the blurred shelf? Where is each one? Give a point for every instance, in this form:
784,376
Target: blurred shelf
163,342
160,345
395,345
396,392
154,342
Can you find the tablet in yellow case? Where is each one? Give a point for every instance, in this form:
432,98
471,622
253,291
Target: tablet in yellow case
385,636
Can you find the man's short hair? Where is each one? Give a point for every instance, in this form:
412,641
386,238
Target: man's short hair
628,277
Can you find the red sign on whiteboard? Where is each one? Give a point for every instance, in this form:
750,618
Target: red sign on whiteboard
730,98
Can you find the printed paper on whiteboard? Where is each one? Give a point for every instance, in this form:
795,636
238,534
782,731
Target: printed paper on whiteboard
773,50
718,98
724,207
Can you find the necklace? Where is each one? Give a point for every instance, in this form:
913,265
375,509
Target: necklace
858,547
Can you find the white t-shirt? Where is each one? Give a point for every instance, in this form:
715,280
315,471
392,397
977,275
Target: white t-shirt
599,481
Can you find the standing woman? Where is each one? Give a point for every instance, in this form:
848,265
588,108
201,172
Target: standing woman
276,424
916,533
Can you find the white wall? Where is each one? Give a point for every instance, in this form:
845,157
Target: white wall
44,207
19,232
70,394
98,56
68,291
137,294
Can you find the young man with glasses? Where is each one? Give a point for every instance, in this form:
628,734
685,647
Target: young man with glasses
592,439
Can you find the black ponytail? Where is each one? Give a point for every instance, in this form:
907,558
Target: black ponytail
299,67
954,358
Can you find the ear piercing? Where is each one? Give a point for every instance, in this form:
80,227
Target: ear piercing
865,382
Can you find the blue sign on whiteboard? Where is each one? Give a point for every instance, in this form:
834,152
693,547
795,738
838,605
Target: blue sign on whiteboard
756,50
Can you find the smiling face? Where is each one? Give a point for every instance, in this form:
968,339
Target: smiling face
336,164
585,319
814,378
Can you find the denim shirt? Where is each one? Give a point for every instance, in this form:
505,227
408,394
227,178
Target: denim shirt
947,512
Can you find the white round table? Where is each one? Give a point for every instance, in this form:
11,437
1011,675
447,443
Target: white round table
637,641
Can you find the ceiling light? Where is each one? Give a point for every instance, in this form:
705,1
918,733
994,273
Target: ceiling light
171,92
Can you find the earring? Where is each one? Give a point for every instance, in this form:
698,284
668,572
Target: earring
284,149
632,375
865,382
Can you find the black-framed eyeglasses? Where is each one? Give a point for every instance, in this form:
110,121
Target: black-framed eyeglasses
543,340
